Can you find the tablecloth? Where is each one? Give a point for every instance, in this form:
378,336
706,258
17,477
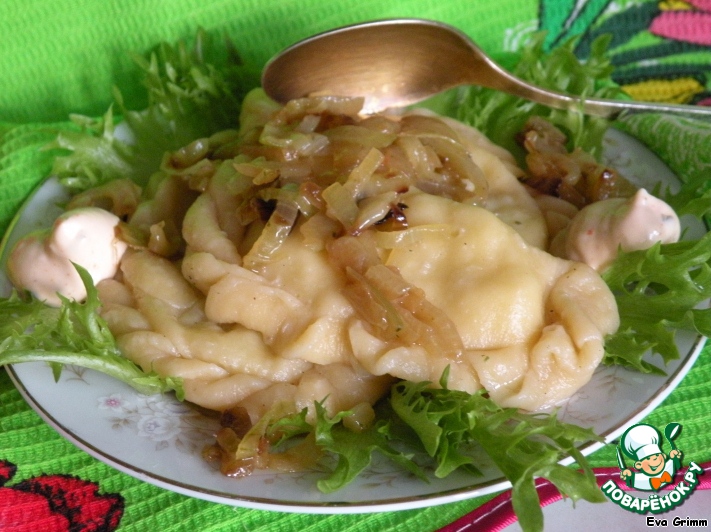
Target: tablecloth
65,56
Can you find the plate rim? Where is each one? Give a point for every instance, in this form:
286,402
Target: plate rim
330,507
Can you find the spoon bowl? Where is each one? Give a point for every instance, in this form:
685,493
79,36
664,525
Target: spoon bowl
398,62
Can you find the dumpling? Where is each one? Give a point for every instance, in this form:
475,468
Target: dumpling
533,325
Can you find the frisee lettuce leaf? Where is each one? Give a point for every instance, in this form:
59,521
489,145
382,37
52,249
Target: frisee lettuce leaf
501,116
694,196
523,446
188,98
72,334
658,291
354,449
422,428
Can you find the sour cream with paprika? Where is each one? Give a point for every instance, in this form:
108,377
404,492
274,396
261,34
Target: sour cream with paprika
43,262
599,230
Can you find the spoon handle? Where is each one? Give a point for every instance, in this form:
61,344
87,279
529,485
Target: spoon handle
614,108
590,106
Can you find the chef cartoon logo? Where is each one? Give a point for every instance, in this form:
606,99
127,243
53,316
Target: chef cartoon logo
651,469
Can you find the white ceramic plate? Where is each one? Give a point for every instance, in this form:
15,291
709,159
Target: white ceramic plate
158,439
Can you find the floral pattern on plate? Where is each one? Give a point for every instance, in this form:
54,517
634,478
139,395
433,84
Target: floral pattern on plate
161,420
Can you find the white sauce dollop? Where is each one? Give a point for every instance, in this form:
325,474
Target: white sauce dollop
42,262
599,230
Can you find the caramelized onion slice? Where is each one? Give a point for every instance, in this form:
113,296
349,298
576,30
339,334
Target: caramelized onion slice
360,135
466,181
573,176
373,210
409,236
437,332
373,306
358,253
273,235
120,196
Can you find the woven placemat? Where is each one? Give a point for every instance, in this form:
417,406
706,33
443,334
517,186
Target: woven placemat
64,56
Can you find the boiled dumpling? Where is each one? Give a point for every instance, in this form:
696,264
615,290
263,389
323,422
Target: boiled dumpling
533,325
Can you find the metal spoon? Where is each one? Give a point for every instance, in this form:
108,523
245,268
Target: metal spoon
398,62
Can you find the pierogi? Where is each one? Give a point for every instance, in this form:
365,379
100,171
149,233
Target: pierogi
323,256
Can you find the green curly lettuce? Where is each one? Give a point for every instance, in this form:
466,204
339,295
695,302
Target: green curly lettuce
189,97
694,196
72,334
658,291
423,429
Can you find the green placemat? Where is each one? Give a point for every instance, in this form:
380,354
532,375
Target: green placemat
64,56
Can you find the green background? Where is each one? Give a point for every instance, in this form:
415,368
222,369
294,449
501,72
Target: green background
65,56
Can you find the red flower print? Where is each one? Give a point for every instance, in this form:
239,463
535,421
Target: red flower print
56,503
